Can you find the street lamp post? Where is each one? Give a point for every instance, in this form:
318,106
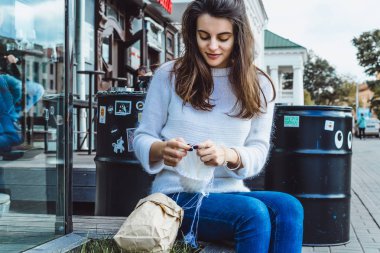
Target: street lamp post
357,99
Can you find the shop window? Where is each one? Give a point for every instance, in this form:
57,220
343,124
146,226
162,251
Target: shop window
36,66
111,12
107,49
122,22
154,34
153,59
170,42
287,81
136,25
169,46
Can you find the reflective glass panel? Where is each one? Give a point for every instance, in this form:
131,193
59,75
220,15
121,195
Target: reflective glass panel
32,37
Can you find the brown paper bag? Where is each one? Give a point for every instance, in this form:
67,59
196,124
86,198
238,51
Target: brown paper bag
152,226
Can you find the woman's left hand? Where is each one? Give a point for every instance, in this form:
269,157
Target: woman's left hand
210,154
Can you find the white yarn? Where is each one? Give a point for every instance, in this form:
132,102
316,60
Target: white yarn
195,176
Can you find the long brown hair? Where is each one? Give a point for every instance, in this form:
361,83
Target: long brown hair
194,83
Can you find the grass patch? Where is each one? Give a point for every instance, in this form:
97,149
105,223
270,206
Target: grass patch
108,245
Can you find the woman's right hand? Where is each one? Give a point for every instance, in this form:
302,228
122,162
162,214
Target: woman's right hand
174,150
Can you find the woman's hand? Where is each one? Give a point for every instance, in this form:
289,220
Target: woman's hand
174,150
211,154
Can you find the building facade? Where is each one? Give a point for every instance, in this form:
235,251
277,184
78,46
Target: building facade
284,62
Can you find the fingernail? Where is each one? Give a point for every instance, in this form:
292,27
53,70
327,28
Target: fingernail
195,147
191,149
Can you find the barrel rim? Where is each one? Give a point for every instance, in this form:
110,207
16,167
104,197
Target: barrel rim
313,108
118,93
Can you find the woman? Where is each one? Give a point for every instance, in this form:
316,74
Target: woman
214,98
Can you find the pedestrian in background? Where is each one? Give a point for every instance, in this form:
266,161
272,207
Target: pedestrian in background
10,105
216,99
362,125
143,78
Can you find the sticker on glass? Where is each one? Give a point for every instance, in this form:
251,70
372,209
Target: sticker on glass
118,146
102,115
339,139
329,125
140,105
130,136
122,107
291,121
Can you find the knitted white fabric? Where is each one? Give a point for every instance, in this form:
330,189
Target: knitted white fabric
164,117
195,176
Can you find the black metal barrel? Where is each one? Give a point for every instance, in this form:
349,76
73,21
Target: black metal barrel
120,179
310,158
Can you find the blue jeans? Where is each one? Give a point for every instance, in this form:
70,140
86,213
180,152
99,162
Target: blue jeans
259,221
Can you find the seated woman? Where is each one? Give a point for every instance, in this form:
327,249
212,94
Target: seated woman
215,98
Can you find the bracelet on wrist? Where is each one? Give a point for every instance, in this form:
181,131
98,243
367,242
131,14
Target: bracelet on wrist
225,163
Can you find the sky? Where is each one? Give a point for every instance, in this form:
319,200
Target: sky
326,27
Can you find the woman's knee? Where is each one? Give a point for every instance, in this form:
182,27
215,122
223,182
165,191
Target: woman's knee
254,214
289,207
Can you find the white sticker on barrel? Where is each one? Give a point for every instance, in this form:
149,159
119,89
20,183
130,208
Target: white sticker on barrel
110,109
140,105
118,146
102,115
349,140
329,125
123,107
139,117
291,121
339,139
130,137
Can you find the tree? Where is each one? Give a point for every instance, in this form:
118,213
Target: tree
321,80
375,101
346,93
368,55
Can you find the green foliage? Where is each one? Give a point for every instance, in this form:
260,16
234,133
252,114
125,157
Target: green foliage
108,245
346,93
375,101
100,246
368,55
321,80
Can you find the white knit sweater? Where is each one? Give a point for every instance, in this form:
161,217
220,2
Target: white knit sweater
164,117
